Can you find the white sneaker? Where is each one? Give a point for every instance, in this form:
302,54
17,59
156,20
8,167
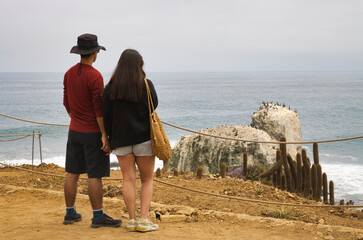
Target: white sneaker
131,226
145,225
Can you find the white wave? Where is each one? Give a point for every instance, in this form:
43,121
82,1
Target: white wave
60,161
334,156
306,148
173,143
339,157
158,164
345,171
347,178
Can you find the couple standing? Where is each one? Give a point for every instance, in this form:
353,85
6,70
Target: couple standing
104,121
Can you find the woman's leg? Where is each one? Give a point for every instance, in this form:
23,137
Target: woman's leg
127,165
146,168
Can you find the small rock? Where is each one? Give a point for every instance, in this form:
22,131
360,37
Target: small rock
320,226
10,191
173,218
170,177
321,221
329,238
319,234
186,211
345,230
290,195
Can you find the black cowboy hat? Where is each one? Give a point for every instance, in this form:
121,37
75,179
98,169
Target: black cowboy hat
87,44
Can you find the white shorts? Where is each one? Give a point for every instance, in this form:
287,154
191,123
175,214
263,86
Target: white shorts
139,150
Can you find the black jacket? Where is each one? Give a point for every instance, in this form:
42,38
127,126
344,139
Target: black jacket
127,123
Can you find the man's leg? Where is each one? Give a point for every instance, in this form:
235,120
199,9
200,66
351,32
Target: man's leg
70,193
98,166
95,192
70,189
74,166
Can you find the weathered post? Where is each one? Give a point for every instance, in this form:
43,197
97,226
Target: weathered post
33,150
40,150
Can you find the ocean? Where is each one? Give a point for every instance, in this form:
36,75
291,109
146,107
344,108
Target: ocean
329,105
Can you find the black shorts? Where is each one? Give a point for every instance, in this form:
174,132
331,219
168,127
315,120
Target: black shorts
84,155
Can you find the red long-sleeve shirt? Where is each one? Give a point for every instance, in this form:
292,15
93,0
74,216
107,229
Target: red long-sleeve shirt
82,97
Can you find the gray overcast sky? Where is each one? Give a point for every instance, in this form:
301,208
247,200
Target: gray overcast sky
188,35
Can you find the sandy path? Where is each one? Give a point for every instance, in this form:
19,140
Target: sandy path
38,214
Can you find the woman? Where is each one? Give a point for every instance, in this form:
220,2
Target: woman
126,117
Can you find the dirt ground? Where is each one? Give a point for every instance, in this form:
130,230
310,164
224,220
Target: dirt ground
32,207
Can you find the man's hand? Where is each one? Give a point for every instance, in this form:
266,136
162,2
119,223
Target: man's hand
105,145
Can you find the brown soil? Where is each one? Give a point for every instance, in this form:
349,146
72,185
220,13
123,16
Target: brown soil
32,207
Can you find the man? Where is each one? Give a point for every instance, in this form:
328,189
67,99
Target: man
87,147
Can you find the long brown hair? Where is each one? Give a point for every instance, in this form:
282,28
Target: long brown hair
128,78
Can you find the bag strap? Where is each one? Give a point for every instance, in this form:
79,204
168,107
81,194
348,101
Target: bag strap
149,99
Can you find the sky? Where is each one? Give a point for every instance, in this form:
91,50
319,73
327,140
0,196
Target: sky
186,35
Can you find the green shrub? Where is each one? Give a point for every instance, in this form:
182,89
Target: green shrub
260,190
285,214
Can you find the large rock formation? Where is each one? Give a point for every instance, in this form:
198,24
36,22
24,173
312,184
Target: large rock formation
279,121
268,124
196,150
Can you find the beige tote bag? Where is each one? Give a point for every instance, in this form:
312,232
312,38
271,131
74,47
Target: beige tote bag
159,141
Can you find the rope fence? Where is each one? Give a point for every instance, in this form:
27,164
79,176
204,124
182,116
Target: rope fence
206,134
33,134
203,192
16,135
29,121
14,139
